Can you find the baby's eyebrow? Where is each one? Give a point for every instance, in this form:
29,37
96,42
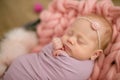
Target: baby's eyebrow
95,26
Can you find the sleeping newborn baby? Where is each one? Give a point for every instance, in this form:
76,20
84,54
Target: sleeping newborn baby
86,39
70,57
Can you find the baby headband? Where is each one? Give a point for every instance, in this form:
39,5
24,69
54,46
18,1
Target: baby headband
95,27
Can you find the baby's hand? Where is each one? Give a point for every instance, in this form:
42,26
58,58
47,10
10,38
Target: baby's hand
57,46
57,43
56,53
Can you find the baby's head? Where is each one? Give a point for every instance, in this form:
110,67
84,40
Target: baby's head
87,37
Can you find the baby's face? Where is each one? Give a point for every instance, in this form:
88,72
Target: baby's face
80,41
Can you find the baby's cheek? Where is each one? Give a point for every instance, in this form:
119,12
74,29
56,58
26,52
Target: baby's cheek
78,53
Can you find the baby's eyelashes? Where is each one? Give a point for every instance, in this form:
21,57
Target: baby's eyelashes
80,40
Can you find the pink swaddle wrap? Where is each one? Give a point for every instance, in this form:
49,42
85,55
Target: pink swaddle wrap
61,13
43,66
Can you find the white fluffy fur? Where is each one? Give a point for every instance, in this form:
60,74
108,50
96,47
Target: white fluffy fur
17,42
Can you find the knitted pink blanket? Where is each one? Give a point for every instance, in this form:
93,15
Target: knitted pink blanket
61,13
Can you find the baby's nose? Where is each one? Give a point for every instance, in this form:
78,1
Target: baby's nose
71,40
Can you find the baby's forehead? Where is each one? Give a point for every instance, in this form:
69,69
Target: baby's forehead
81,24
85,21
96,19
88,20
82,27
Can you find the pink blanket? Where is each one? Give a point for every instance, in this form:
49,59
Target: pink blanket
61,13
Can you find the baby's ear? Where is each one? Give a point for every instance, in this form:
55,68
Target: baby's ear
96,54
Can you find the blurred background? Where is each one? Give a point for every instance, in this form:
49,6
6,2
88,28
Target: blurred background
16,13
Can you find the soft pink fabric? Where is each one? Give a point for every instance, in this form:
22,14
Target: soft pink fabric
43,66
61,13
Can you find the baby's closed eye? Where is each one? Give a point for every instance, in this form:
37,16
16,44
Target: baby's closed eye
80,40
